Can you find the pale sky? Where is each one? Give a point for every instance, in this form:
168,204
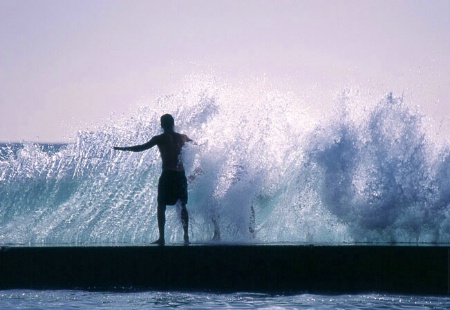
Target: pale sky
68,64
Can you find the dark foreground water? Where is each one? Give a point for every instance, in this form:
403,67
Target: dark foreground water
29,299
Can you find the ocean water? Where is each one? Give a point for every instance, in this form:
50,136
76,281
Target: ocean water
263,169
24,299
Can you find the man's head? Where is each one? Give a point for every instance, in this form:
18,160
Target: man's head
167,122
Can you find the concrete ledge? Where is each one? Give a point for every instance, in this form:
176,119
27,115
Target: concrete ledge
259,268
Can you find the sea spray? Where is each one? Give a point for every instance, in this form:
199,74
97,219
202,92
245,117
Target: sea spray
262,169
374,175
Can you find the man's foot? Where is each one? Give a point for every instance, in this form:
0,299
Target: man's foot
186,240
159,242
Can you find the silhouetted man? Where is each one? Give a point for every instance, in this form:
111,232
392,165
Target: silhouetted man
172,184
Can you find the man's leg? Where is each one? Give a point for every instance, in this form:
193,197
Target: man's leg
185,222
161,223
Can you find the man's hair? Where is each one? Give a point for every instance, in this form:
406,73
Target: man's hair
167,121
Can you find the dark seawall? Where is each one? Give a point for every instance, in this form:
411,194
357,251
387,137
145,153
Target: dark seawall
420,270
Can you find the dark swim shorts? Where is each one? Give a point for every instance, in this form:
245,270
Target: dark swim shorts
172,187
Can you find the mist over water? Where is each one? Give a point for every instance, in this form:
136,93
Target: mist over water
269,172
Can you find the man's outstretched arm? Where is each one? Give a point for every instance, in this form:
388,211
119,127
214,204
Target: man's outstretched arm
137,148
187,139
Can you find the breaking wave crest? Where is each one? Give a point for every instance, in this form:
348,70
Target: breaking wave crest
269,172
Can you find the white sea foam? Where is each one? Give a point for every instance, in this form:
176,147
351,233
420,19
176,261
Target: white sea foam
270,172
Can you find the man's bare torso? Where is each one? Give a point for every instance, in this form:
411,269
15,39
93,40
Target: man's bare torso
170,145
